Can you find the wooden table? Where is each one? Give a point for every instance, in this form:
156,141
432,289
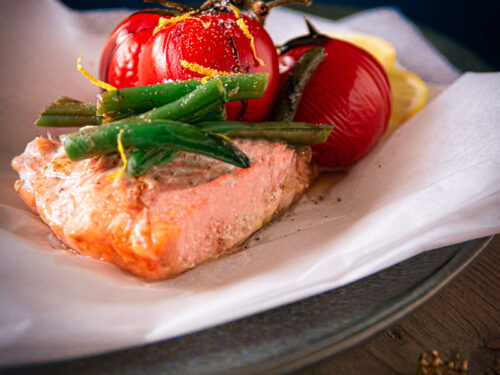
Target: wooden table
464,318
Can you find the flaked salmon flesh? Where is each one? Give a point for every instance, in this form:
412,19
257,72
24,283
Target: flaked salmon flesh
173,218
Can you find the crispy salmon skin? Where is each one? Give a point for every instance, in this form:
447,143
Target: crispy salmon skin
171,219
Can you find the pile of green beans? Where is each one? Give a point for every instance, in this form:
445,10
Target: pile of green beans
143,98
156,123
147,135
123,103
204,102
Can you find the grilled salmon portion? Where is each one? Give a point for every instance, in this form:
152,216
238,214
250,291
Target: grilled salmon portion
169,220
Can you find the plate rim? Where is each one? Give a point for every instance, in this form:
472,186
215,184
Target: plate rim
383,318
329,346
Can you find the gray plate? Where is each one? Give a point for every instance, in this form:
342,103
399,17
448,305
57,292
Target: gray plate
291,336
295,335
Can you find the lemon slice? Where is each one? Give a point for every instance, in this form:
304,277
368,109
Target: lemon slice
379,48
409,94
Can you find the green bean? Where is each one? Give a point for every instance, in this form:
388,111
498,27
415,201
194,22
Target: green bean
192,107
143,98
139,162
295,133
148,135
65,106
219,114
67,112
289,99
67,121
203,103
167,157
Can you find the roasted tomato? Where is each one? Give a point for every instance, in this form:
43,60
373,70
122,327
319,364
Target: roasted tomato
120,56
193,47
350,90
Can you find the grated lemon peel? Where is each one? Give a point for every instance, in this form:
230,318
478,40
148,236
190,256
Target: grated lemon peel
206,25
91,78
207,72
235,10
225,137
121,150
264,222
163,21
243,27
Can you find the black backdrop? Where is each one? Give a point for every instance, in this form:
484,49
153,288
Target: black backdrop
473,24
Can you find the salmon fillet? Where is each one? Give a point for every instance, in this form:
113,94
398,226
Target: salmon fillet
171,219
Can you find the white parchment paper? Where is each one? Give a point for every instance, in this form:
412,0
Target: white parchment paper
435,182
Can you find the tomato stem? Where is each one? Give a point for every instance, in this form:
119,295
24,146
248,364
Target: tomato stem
314,38
207,5
279,3
171,4
310,27
259,7
161,12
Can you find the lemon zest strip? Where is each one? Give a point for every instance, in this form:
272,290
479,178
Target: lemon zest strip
235,10
243,27
121,150
264,222
241,23
225,137
200,69
163,21
91,78
206,25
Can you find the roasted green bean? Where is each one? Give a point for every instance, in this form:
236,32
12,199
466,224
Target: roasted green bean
67,112
295,133
143,98
152,134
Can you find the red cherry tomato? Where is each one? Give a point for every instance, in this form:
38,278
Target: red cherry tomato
120,56
350,90
216,42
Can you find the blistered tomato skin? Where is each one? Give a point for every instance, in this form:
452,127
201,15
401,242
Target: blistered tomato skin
349,90
120,56
214,42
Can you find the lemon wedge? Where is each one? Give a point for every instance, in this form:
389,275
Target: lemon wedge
409,95
409,92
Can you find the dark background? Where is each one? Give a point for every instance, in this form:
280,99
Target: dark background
473,24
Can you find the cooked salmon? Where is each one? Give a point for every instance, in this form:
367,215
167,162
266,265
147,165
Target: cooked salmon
171,219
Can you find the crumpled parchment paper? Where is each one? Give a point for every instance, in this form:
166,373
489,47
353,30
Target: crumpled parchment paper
435,182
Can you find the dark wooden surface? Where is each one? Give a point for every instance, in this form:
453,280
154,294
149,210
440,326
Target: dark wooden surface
464,319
